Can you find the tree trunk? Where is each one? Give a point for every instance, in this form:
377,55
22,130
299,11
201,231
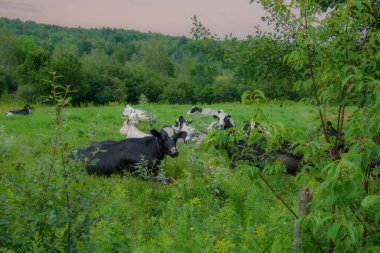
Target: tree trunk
304,198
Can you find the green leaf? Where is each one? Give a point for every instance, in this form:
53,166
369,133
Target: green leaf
334,231
370,201
253,172
351,232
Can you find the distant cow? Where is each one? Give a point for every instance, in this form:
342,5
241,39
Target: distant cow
202,111
136,114
108,157
24,111
131,131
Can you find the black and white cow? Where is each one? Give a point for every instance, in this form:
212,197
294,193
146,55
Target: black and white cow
189,134
24,111
108,157
136,114
202,111
181,124
223,122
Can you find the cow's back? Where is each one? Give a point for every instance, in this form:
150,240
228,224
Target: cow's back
122,155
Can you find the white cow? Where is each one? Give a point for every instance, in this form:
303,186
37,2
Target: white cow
131,131
135,114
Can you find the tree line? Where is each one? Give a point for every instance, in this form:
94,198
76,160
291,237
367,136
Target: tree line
108,64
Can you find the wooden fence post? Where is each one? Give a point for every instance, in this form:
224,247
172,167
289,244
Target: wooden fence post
304,198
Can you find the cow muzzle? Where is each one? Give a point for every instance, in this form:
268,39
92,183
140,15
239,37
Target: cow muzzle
173,152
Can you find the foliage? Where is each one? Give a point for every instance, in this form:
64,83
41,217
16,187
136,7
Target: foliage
250,97
49,210
103,62
35,73
209,202
339,56
6,142
100,64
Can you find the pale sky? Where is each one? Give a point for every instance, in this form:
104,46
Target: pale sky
171,17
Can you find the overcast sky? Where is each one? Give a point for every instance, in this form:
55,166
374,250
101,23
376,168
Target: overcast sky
170,17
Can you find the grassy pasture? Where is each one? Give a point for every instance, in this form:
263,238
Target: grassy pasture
210,208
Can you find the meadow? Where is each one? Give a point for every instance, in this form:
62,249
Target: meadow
210,207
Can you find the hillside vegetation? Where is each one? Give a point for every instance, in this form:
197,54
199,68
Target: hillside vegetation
109,64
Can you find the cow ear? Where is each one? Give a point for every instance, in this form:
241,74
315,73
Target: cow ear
215,116
189,122
155,133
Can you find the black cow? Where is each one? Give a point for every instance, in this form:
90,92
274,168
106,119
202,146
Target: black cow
24,111
108,157
241,150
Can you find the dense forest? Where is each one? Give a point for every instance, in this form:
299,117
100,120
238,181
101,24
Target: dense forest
109,64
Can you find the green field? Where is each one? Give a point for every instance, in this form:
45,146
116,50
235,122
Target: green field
210,208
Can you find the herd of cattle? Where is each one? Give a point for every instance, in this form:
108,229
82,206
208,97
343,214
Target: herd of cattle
138,147
109,157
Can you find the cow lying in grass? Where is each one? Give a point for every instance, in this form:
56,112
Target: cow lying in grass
131,131
251,145
109,157
136,114
223,121
24,111
202,111
189,134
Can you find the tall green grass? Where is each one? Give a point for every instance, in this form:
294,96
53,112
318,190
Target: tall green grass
210,208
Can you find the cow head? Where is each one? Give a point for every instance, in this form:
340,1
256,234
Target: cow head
184,131
194,109
227,122
246,126
28,109
127,110
224,121
181,122
167,140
